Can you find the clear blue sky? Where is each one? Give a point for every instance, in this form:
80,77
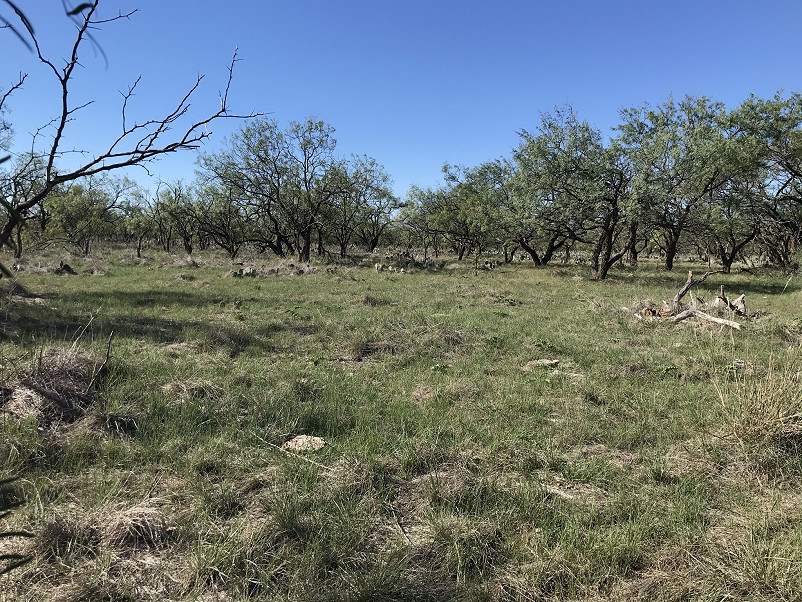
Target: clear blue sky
412,83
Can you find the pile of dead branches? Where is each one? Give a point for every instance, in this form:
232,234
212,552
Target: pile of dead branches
677,311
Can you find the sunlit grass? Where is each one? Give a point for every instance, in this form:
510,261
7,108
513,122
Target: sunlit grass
517,433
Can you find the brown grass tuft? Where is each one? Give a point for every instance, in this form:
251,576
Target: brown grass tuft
143,526
185,389
57,388
67,534
767,410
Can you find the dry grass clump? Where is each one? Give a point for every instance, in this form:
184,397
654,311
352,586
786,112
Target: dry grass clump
360,349
372,301
617,457
67,534
760,411
182,348
440,338
142,526
423,393
185,389
462,391
58,387
465,547
556,485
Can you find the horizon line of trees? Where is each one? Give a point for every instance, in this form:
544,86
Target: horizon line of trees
685,175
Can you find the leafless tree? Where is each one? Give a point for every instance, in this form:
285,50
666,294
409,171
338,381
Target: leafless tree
136,144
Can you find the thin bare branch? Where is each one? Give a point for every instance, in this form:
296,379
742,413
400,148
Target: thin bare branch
25,22
136,144
128,95
695,313
14,87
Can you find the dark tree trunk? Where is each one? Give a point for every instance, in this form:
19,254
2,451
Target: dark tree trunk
632,245
532,253
509,254
305,252
18,243
554,245
672,240
728,257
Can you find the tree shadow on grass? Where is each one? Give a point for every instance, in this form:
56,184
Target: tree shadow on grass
734,283
131,315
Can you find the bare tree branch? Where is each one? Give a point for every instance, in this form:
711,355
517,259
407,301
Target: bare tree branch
675,303
136,145
10,91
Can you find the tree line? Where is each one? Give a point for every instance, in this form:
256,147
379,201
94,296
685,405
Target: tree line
283,191
683,176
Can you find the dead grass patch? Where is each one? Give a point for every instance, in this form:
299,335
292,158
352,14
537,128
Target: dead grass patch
423,393
186,389
617,457
556,485
67,533
360,349
182,348
142,526
58,388
440,337
462,391
763,411
372,301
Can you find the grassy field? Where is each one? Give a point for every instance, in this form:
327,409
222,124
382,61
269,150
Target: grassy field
655,461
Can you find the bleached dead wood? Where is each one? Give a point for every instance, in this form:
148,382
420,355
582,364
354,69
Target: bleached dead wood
695,313
675,303
738,306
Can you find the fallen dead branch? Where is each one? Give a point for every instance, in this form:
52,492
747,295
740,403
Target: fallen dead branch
676,311
695,313
738,306
676,305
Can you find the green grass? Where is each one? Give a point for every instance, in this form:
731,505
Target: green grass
655,461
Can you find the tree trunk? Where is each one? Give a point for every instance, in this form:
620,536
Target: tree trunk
551,248
672,240
321,250
532,253
18,245
632,245
305,252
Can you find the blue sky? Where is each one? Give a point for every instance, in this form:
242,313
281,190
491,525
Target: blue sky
412,83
